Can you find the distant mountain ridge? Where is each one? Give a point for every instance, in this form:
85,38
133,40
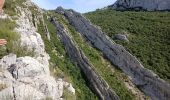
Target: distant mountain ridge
148,5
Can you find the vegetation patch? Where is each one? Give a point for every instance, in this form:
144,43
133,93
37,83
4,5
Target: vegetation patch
10,6
13,38
149,35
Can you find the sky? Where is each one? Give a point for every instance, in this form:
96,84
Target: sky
78,5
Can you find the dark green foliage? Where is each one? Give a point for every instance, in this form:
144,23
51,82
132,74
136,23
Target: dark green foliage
56,50
149,35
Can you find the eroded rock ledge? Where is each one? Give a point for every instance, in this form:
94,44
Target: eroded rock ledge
145,79
99,86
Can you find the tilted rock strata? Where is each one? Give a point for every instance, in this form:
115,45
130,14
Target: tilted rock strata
145,79
97,83
149,5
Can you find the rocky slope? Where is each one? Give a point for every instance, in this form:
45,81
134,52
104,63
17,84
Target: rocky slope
149,5
29,77
36,77
101,88
146,80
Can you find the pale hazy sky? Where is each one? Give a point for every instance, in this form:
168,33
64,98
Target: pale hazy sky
78,5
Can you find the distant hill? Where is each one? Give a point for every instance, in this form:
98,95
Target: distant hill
149,5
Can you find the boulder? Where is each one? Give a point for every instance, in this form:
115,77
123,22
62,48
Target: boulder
121,37
30,67
26,78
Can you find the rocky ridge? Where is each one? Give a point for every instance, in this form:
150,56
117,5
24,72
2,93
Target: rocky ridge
149,5
143,78
100,87
29,77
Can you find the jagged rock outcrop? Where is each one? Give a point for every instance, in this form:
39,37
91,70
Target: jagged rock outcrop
100,87
26,78
29,36
149,5
145,79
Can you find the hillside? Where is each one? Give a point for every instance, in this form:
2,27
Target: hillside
148,34
61,55
138,5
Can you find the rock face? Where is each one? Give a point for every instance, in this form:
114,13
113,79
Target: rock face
143,78
149,5
26,78
100,87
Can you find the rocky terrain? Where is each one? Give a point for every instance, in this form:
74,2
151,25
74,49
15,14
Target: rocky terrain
101,88
145,79
61,55
149,5
23,78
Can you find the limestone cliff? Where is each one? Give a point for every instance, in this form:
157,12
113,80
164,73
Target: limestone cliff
149,5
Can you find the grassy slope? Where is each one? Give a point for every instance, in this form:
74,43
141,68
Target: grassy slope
149,35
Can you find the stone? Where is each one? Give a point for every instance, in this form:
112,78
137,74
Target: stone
71,89
8,60
29,67
149,5
27,92
26,77
121,37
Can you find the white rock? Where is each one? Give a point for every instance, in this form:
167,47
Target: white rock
71,89
29,67
8,60
7,94
26,92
